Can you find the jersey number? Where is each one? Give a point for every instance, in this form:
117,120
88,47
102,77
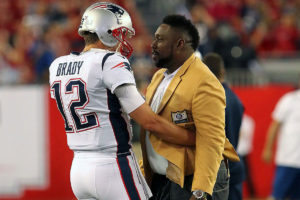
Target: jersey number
82,121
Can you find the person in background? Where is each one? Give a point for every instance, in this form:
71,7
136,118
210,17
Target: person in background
95,92
285,124
244,149
233,119
186,93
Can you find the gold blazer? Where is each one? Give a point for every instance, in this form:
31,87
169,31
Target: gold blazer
195,99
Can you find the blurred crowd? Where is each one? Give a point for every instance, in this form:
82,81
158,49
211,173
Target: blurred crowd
243,30
34,32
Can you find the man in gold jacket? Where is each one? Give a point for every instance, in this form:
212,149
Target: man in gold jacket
187,93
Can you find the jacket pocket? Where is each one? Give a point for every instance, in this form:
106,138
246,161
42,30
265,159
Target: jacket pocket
188,125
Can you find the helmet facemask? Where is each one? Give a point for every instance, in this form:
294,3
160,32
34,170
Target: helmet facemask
121,34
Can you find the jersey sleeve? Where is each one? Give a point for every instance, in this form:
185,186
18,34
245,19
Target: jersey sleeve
51,78
281,109
117,71
129,97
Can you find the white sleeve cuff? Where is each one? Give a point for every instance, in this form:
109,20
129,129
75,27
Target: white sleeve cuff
129,97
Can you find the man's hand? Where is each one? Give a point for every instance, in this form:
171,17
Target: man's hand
161,127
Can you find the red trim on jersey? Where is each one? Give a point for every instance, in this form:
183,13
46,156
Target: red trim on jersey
118,123
123,178
133,178
119,65
61,100
82,107
112,127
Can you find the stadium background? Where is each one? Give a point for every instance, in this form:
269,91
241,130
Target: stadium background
258,39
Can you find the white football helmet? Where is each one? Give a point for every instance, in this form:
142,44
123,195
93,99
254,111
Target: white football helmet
111,23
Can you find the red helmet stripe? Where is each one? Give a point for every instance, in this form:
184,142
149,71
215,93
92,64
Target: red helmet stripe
100,6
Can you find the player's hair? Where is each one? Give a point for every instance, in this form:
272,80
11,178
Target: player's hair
182,23
215,63
90,38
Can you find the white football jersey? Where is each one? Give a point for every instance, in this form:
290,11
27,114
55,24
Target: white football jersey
83,86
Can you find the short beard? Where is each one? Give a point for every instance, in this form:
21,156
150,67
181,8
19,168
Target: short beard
163,63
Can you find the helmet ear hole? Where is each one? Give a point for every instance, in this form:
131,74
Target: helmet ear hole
109,31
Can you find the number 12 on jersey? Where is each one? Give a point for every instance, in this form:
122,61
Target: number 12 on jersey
79,122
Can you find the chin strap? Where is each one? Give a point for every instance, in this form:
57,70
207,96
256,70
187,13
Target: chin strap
120,34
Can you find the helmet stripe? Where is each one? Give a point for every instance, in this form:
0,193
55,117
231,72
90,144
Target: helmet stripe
100,6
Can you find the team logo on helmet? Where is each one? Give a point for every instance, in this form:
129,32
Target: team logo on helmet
115,9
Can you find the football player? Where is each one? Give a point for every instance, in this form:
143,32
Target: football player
96,94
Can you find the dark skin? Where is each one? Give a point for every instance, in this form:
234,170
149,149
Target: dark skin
170,49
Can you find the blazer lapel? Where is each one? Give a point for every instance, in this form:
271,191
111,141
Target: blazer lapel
174,83
169,92
153,86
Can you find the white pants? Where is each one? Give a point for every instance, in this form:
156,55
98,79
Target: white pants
96,175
